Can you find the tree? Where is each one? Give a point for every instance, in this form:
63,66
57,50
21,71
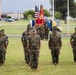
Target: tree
25,14
29,12
29,16
8,17
58,15
61,6
73,12
46,13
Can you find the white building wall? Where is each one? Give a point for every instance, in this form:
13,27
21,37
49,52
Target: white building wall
15,15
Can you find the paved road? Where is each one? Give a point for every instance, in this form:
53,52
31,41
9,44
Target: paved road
69,26
63,35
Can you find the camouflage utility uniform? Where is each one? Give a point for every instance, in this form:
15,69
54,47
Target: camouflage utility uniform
55,45
46,32
2,49
73,44
34,51
6,44
25,41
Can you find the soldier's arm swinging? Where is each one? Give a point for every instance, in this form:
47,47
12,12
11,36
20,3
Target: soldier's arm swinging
60,44
39,45
22,39
71,41
28,45
49,43
5,43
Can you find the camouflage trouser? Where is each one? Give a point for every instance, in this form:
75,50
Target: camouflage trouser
43,36
34,59
74,54
27,55
46,36
55,55
2,56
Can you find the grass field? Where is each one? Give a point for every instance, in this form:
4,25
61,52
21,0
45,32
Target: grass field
16,28
15,65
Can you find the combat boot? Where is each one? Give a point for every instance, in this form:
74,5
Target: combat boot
0,64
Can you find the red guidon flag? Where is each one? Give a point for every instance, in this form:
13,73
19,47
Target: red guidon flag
41,15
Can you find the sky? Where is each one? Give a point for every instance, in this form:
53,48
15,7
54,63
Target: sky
22,5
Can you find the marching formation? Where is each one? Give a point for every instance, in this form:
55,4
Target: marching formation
31,44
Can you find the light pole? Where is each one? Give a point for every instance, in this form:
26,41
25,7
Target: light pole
0,8
68,15
52,7
18,14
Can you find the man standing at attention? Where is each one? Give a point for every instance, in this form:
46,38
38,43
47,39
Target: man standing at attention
73,44
55,44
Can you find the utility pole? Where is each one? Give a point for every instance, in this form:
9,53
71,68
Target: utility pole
52,8
18,14
68,15
0,8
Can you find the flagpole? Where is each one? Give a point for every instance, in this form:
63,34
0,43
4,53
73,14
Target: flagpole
53,9
68,15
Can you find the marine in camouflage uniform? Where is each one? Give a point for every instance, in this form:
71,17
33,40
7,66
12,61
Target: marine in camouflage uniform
73,44
6,44
25,41
55,44
43,33
22,38
2,49
46,32
34,50
24,33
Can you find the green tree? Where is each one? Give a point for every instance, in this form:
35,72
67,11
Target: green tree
29,12
29,16
8,17
25,14
61,6
73,13
46,13
58,15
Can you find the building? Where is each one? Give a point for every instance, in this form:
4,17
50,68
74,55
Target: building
13,15
16,15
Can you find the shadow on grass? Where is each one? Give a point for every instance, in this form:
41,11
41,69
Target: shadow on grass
21,63
63,63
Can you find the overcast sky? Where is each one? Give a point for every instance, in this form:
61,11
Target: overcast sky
22,5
